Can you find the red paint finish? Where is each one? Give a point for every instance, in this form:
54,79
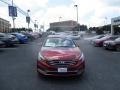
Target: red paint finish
60,57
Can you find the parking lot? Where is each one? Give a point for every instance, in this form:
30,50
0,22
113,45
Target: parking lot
18,69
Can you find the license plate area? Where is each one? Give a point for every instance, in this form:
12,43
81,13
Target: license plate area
62,70
104,45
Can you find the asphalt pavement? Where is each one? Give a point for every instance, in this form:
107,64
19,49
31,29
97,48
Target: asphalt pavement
18,69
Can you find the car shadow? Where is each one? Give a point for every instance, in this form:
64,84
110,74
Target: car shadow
110,50
62,80
1,50
11,46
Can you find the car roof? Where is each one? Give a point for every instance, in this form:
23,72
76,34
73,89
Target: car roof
56,36
2,33
59,36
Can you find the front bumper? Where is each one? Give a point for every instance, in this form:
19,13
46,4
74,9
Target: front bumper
47,70
98,44
108,46
15,41
2,45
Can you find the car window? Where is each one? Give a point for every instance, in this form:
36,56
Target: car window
118,39
113,38
106,37
1,36
21,34
59,42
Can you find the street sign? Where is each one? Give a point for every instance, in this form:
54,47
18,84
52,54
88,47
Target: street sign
12,11
35,25
27,19
115,21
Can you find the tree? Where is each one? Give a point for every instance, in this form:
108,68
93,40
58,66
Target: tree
80,28
56,29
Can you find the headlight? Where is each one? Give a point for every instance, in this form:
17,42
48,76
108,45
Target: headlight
82,57
112,43
40,57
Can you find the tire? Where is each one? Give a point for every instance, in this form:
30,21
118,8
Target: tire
118,48
105,48
94,44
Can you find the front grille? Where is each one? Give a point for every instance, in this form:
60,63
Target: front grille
62,63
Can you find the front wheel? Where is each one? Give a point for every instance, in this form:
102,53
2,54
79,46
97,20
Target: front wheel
118,47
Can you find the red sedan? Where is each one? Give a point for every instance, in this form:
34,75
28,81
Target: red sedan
60,57
99,42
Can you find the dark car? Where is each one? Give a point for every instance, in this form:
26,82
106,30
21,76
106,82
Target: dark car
91,39
30,37
60,57
112,44
7,39
99,42
14,39
96,37
2,44
22,38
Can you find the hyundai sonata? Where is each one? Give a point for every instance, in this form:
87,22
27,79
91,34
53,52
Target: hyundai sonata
60,57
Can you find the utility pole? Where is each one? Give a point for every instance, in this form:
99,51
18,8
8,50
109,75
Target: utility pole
76,12
28,18
13,18
35,25
77,15
60,18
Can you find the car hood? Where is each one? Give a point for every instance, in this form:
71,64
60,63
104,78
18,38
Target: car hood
109,41
60,53
100,40
1,42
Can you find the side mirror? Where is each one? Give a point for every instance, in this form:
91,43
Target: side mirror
78,45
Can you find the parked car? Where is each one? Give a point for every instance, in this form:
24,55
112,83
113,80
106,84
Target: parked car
35,35
74,36
14,39
60,56
91,39
7,39
22,38
2,44
112,44
30,36
99,42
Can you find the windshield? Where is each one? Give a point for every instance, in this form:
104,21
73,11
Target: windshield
106,37
59,42
113,38
118,39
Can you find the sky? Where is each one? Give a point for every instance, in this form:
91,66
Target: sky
90,12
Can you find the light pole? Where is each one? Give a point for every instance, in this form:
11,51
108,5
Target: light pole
13,18
60,18
28,18
77,16
106,23
106,20
76,12
35,25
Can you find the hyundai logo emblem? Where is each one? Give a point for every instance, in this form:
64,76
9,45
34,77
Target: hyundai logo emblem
62,62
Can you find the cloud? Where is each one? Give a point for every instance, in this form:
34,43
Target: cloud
4,12
91,12
52,14
115,3
32,4
35,7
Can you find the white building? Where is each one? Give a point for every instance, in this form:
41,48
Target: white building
114,21
64,25
4,25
